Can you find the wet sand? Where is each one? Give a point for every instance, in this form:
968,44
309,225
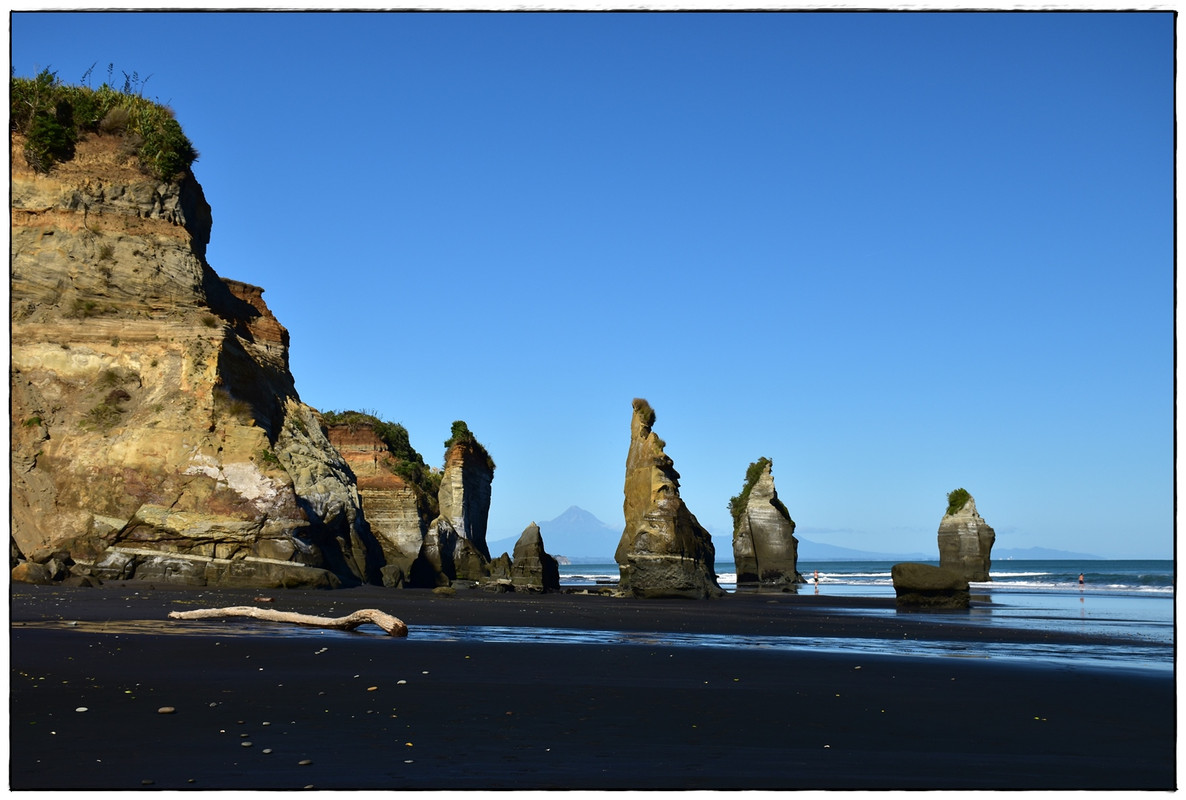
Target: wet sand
366,711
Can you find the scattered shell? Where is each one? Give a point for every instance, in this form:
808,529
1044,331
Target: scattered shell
266,750
81,709
304,762
400,683
245,744
166,710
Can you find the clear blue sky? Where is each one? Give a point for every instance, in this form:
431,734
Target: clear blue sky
897,253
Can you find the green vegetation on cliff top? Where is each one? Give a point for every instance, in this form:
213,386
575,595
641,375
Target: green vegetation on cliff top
404,460
956,500
54,116
645,412
460,432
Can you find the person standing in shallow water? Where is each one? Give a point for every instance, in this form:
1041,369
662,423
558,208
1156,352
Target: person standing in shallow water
1080,578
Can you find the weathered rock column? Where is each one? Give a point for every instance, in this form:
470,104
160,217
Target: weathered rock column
455,544
664,552
965,539
765,549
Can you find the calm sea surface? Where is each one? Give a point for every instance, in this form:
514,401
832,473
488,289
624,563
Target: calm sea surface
1131,602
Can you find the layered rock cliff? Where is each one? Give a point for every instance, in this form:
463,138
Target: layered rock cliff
156,430
965,539
765,549
397,506
664,551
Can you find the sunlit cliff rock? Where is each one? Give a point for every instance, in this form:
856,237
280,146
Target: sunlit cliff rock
156,430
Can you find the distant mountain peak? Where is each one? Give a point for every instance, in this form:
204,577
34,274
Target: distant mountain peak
576,533
575,515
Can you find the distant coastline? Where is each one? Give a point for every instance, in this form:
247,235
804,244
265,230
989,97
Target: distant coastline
581,538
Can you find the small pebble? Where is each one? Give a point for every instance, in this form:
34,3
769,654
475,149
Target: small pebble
304,762
267,750
397,683
166,710
245,744
81,709
372,688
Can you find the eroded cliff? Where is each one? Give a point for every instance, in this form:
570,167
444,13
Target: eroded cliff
156,430
397,489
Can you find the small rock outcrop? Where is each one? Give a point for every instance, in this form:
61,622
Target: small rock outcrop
532,569
455,543
765,549
965,539
664,551
927,586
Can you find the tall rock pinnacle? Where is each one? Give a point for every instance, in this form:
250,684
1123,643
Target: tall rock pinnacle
455,545
664,552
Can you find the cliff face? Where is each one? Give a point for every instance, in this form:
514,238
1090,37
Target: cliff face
965,543
156,430
397,510
664,552
765,549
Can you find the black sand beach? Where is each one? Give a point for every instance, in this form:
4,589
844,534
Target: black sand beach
266,706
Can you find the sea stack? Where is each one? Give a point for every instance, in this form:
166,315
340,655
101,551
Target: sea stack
455,544
965,539
765,549
664,551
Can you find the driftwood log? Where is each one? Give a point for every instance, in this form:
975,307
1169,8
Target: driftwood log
393,626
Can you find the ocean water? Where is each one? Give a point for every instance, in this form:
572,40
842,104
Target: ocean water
872,578
1131,602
